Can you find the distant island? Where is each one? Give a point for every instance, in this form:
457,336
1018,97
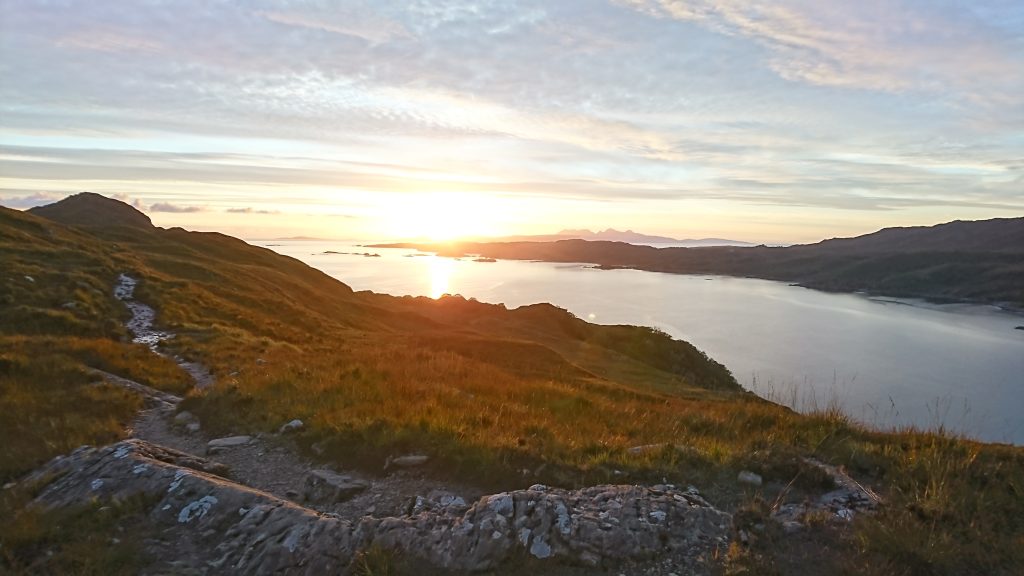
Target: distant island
613,235
962,261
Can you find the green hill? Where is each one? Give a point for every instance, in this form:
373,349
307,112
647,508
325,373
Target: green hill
980,261
486,391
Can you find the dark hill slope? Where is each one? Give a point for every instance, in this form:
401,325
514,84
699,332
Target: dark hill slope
982,236
209,279
979,261
90,209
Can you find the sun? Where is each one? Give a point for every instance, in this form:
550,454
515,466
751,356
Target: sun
442,217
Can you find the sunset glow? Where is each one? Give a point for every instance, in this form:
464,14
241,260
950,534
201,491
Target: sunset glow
440,275
768,122
442,216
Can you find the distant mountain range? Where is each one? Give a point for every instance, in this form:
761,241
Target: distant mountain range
613,235
977,261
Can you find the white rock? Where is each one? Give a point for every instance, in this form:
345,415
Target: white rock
540,548
292,426
792,527
500,503
228,442
183,417
329,486
748,477
196,509
410,460
645,448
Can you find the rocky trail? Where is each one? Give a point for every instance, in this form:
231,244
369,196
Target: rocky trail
270,463
255,505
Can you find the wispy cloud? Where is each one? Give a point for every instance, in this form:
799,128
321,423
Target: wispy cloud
29,200
250,210
174,208
903,106
359,21
872,45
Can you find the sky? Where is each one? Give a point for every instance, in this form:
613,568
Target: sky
779,122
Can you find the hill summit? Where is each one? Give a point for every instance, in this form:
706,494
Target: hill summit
89,209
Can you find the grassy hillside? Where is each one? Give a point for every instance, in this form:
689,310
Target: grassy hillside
979,261
487,392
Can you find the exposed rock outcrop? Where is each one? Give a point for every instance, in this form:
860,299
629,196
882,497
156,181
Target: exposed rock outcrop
842,504
234,529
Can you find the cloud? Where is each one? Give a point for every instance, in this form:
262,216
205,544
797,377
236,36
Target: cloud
134,202
30,200
358,21
174,208
113,41
249,210
865,106
875,44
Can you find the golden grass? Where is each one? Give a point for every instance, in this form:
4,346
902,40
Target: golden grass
485,391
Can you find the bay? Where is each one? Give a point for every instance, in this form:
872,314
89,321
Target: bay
889,363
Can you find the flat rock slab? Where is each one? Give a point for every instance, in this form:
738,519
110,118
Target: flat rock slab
409,460
228,528
224,443
328,487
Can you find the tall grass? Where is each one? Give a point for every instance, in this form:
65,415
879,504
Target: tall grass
497,397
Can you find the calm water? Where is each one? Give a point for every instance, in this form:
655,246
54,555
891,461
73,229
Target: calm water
886,362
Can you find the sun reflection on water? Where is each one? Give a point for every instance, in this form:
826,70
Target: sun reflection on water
440,276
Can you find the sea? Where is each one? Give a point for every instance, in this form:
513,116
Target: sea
887,362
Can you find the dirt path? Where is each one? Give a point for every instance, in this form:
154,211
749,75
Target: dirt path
271,462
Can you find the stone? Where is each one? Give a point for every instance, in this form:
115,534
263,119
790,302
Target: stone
192,427
258,533
219,444
842,504
792,527
408,461
749,478
184,417
293,426
328,487
646,448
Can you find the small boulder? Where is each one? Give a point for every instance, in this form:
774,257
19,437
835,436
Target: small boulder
192,427
749,478
635,450
792,527
438,501
328,487
220,444
293,426
184,417
407,461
